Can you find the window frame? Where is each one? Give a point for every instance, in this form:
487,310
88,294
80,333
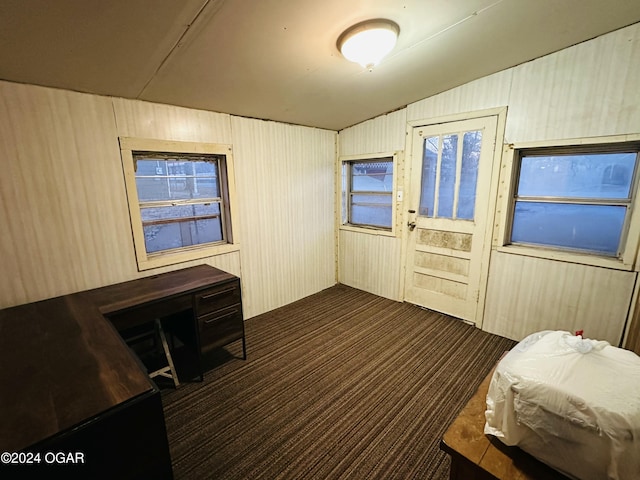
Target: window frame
512,154
129,148
344,195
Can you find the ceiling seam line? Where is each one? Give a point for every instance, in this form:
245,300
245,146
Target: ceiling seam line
175,46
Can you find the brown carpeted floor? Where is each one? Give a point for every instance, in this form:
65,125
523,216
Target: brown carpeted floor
341,384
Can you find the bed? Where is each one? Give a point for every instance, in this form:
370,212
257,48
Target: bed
571,402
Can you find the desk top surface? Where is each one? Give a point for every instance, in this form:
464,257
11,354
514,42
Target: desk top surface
466,438
62,362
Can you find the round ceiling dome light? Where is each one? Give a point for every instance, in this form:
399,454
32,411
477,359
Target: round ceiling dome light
368,42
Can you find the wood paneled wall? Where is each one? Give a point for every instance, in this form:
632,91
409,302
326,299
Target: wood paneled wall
285,181
65,221
64,212
587,90
367,261
529,294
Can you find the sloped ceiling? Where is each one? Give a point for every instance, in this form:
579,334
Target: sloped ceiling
277,59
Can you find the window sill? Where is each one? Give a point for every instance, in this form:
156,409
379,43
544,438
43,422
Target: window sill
568,257
369,231
186,255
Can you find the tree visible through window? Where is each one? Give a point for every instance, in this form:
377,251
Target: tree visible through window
447,186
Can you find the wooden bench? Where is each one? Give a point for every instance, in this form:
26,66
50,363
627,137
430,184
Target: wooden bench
476,456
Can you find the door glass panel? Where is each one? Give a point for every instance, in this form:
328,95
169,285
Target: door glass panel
428,185
471,148
446,190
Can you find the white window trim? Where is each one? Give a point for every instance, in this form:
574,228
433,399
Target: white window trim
146,261
628,259
396,195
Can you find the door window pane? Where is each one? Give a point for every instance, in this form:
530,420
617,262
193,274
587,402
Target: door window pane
594,228
447,187
429,165
440,162
471,148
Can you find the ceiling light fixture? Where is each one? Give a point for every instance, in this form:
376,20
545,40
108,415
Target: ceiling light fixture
368,42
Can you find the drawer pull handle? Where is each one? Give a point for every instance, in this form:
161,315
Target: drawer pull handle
229,314
215,294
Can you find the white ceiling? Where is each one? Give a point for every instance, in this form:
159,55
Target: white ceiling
277,59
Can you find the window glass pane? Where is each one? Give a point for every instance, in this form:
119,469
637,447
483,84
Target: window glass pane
362,198
428,185
182,234
446,189
595,228
367,188
607,175
471,147
372,177
176,180
150,214
379,216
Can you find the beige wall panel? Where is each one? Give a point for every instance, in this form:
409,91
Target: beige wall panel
229,262
285,183
590,89
484,93
441,285
165,122
444,263
587,90
370,263
65,219
529,294
68,228
381,134
440,239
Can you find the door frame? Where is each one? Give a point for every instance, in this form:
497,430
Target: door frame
493,214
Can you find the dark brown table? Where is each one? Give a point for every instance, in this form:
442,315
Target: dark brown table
69,383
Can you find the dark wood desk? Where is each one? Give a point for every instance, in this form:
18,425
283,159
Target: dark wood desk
476,456
68,382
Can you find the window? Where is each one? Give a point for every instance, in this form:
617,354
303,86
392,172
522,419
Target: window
574,198
367,193
450,175
179,200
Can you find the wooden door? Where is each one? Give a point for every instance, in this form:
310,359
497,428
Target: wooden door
451,167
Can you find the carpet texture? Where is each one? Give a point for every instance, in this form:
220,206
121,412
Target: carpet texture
341,384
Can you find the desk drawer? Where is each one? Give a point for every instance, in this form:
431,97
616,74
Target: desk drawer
220,327
147,313
218,297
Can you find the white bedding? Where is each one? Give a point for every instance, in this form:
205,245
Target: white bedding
573,403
